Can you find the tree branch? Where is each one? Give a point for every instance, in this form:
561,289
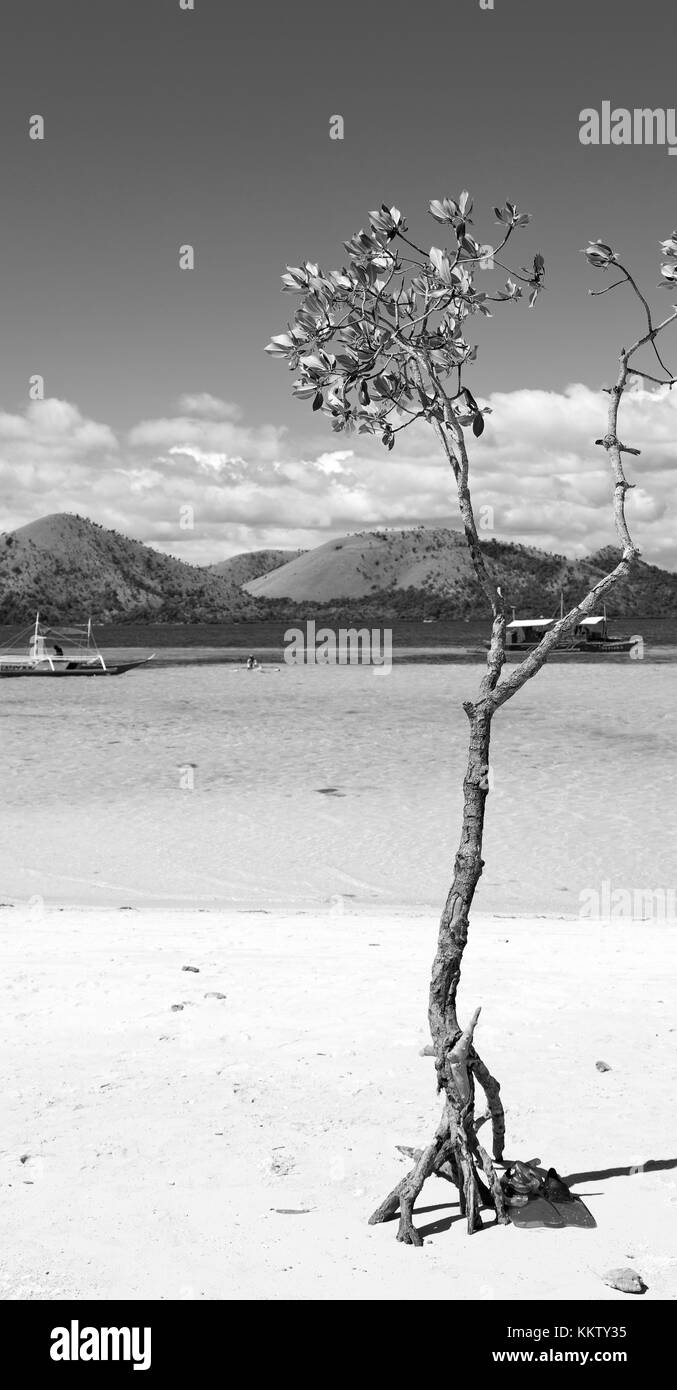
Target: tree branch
532,663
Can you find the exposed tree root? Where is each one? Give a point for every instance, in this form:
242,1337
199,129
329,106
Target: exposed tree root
492,1092
455,1153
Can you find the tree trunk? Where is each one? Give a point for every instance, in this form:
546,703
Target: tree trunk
456,1152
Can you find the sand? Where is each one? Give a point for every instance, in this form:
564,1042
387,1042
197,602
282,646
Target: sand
234,1147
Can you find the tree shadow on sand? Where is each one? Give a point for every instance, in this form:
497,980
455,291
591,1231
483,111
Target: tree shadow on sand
653,1165
443,1223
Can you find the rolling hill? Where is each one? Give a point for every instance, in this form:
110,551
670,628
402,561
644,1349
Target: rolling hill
70,568
430,569
251,564
354,566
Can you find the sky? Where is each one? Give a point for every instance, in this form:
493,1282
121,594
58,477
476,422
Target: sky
166,126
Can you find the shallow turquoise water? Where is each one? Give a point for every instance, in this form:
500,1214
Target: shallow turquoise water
334,787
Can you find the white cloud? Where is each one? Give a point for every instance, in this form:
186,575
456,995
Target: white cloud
212,436
202,403
536,469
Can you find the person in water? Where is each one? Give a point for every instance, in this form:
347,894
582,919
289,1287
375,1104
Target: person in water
252,663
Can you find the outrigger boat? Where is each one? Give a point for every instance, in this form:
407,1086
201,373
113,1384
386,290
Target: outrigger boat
64,651
590,635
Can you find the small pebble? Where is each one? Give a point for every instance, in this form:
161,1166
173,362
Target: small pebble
280,1164
193,969
626,1280
602,1066
214,994
176,1008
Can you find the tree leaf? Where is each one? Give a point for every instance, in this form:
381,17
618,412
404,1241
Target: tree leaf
437,211
441,264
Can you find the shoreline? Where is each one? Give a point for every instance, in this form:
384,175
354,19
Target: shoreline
165,657
37,908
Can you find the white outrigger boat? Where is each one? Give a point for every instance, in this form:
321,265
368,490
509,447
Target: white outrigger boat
64,651
591,635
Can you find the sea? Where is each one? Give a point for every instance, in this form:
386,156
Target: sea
337,790
432,639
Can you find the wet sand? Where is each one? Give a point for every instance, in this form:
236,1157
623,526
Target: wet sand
193,787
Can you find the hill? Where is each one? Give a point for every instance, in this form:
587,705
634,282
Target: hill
427,571
70,568
251,564
353,566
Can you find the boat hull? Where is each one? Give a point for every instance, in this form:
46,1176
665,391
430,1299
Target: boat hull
580,649
15,670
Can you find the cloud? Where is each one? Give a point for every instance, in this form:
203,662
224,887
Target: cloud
536,475
51,425
211,406
216,437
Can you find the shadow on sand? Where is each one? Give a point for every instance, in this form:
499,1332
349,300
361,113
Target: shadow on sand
444,1223
653,1165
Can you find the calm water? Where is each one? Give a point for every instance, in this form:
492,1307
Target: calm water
657,632
333,787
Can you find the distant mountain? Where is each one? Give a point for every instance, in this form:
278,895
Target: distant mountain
428,571
71,568
251,564
533,579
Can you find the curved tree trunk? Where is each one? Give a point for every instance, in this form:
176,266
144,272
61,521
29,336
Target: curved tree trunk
456,1152
468,866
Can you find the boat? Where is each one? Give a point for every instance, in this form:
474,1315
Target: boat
63,651
591,635
259,669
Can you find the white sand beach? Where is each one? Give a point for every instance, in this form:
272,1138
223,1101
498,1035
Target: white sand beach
226,1133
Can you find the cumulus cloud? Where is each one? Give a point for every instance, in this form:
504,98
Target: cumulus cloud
203,483
202,403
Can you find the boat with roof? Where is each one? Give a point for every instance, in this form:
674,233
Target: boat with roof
42,650
590,636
